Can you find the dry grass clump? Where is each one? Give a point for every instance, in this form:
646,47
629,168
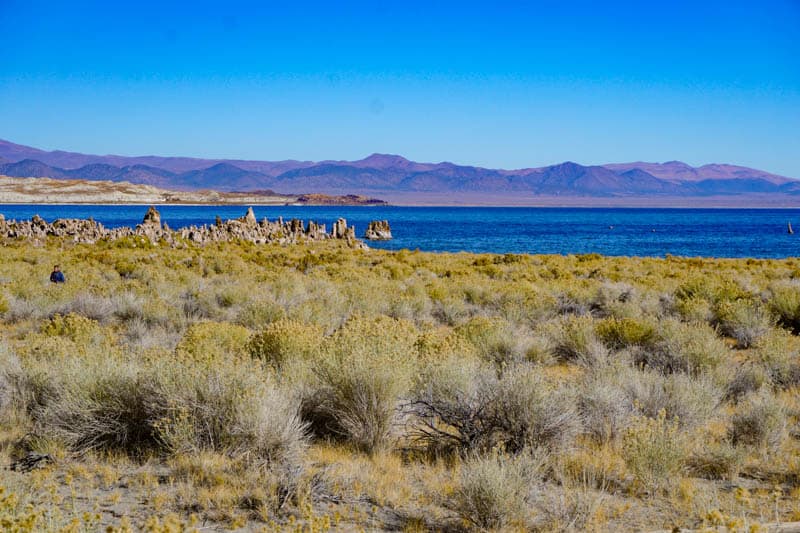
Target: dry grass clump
494,492
225,488
599,466
721,460
655,451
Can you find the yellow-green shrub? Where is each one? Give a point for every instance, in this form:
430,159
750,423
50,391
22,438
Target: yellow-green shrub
620,333
442,343
213,341
785,304
77,328
285,340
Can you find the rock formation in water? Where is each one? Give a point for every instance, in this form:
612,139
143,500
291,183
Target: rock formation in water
152,217
378,230
246,228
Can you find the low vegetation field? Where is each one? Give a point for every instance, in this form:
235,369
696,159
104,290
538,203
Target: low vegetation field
316,387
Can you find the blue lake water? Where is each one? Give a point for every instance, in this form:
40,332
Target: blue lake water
612,231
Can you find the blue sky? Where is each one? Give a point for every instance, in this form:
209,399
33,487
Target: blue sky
499,84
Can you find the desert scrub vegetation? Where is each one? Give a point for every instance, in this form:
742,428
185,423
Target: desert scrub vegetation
320,387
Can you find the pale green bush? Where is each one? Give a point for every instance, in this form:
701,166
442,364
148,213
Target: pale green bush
744,320
494,339
96,402
688,400
575,340
364,369
227,408
611,397
448,405
746,379
760,420
443,343
93,306
680,347
528,412
779,354
11,395
75,327
617,300
259,313
197,303
695,309
605,407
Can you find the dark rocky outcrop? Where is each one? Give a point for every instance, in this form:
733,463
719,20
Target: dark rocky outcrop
378,230
246,228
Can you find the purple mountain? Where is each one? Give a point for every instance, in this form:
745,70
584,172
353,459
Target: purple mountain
383,173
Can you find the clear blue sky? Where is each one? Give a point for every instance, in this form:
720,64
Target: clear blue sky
500,84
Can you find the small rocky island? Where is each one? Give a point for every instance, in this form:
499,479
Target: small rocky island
246,228
378,230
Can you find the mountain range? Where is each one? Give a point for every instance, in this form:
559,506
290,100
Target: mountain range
392,174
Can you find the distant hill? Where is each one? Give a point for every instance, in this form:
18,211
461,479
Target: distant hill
386,174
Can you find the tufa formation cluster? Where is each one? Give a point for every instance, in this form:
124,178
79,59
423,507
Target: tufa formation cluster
246,228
